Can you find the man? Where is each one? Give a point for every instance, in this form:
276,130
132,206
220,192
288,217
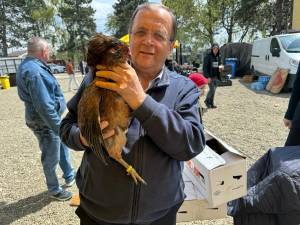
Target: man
44,104
211,70
292,116
163,132
70,72
82,67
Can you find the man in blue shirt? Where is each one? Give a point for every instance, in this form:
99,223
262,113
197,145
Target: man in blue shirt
44,105
164,131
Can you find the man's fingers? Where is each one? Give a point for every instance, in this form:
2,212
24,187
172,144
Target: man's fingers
103,124
100,67
108,85
115,76
108,134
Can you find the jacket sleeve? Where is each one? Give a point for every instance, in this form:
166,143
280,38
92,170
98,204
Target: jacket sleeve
69,130
42,101
207,66
276,194
295,97
177,132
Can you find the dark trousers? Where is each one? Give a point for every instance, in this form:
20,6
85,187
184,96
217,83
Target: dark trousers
168,219
293,137
211,93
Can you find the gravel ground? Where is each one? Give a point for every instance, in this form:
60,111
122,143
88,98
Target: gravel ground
247,120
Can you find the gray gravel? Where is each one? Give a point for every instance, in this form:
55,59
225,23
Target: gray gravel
247,120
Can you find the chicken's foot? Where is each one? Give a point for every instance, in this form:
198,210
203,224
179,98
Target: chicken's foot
131,171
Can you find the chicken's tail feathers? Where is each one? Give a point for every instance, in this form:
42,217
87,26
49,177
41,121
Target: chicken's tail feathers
96,142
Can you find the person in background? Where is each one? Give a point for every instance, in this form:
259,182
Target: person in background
200,80
211,70
164,131
81,67
292,116
70,72
44,105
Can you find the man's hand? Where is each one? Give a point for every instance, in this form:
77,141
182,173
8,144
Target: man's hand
124,81
106,133
287,123
209,80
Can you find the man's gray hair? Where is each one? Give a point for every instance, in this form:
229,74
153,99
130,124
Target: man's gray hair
150,5
36,44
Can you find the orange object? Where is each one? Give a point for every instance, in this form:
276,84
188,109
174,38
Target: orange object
75,201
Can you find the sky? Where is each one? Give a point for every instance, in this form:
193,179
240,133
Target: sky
103,8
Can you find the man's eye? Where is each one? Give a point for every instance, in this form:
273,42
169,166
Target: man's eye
140,33
159,37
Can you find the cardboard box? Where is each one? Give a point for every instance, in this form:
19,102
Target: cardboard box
219,172
195,206
248,78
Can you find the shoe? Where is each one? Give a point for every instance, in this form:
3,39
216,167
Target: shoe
207,105
62,196
70,183
213,106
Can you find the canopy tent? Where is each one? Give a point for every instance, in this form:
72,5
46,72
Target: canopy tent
241,51
125,39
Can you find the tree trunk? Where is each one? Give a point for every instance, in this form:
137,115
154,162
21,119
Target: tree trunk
3,29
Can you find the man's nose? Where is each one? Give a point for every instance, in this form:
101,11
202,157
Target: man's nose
149,38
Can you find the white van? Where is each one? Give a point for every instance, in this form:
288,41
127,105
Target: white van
279,51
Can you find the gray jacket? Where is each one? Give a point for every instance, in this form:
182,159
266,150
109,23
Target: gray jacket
273,196
164,131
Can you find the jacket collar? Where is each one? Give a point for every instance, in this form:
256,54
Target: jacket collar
161,81
40,62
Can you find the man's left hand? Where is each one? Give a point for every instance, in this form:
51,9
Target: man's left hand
124,81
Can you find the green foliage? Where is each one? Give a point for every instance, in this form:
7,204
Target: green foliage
198,22
117,22
78,20
11,20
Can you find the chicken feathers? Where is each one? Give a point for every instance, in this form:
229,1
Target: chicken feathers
99,102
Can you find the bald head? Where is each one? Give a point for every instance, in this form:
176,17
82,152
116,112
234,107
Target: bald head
155,6
38,47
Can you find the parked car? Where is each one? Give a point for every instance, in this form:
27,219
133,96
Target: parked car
56,68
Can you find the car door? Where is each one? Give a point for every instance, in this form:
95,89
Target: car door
274,56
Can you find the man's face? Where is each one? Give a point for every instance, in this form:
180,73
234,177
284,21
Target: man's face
150,40
45,54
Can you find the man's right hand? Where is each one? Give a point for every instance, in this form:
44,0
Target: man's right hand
106,133
287,123
123,80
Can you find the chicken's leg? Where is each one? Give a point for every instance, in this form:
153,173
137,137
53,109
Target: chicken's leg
131,171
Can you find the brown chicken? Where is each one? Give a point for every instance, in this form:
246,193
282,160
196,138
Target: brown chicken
97,103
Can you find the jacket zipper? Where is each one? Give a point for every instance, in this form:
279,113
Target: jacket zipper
137,187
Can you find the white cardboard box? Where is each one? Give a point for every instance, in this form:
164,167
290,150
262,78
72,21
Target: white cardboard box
219,172
195,206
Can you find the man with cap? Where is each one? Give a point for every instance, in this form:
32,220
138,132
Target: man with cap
211,70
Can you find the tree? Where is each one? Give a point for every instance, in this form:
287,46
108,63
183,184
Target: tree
11,20
78,20
117,22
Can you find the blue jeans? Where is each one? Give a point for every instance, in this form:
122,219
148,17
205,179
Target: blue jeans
54,152
210,97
